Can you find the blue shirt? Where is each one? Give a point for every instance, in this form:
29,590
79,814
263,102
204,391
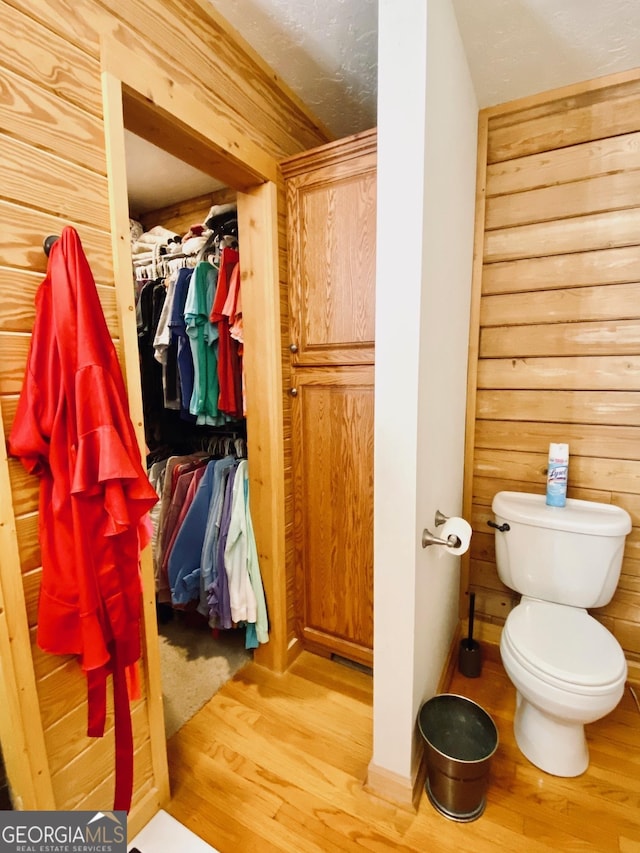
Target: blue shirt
183,567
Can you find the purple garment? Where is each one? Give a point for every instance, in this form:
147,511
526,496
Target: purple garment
179,333
209,559
219,602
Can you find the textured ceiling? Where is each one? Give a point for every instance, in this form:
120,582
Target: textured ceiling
326,52
519,47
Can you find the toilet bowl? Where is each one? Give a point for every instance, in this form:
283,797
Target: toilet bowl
568,670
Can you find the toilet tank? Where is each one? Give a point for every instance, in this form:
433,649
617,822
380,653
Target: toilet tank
569,555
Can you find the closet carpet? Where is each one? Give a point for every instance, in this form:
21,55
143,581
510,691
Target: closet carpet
194,665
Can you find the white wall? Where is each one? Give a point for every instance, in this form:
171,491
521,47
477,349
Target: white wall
427,120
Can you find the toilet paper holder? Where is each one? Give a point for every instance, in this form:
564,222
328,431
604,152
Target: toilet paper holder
428,537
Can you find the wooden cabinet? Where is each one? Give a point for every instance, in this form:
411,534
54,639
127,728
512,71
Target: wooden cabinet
331,206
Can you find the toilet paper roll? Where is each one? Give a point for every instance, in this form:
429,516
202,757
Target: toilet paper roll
457,527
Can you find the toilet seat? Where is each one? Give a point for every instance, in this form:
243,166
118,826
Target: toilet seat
564,647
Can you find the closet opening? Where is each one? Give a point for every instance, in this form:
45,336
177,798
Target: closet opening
186,250
139,100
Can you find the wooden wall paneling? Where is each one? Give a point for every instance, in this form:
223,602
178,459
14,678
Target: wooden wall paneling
39,117
564,165
21,728
630,577
590,407
558,101
594,195
558,356
32,50
608,475
573,305
24,230
612,442
593,267
577,234
28,543
48,182
609,117
597,373
474,343
143,798
561,339
87,769
31,585
18,288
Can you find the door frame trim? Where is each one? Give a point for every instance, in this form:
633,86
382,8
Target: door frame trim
141,97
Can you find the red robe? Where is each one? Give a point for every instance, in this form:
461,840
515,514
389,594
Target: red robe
72,429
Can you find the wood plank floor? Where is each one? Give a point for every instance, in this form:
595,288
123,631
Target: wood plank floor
276,763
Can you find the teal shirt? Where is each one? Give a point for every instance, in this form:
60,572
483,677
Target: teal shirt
203,338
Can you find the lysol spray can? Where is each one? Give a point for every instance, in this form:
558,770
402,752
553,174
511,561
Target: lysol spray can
557,474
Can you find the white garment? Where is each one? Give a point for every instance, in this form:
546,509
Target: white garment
246,592
241,595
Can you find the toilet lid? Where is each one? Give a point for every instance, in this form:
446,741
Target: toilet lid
565,644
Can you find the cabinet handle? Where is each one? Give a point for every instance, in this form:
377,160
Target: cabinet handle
293,392
293,348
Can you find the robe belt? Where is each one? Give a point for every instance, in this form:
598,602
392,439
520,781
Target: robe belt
97,699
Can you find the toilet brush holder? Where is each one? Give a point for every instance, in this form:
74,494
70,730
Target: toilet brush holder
470,652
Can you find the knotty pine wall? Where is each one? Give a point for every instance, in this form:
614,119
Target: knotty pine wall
53,172
555,346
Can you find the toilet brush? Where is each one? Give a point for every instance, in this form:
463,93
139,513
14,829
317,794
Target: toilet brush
469,655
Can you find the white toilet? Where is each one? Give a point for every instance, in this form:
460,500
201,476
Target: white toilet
568,670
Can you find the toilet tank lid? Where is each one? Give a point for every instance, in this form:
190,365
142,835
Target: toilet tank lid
587,517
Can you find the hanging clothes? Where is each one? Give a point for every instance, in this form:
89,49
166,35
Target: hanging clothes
72,430
209,555
229,367
241,562
165,351
175,487
218,592
149,309
184,357
203,337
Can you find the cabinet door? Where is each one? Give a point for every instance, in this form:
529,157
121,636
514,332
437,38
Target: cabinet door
332,244
333,494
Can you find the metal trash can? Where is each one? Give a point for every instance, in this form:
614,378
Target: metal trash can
460,739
